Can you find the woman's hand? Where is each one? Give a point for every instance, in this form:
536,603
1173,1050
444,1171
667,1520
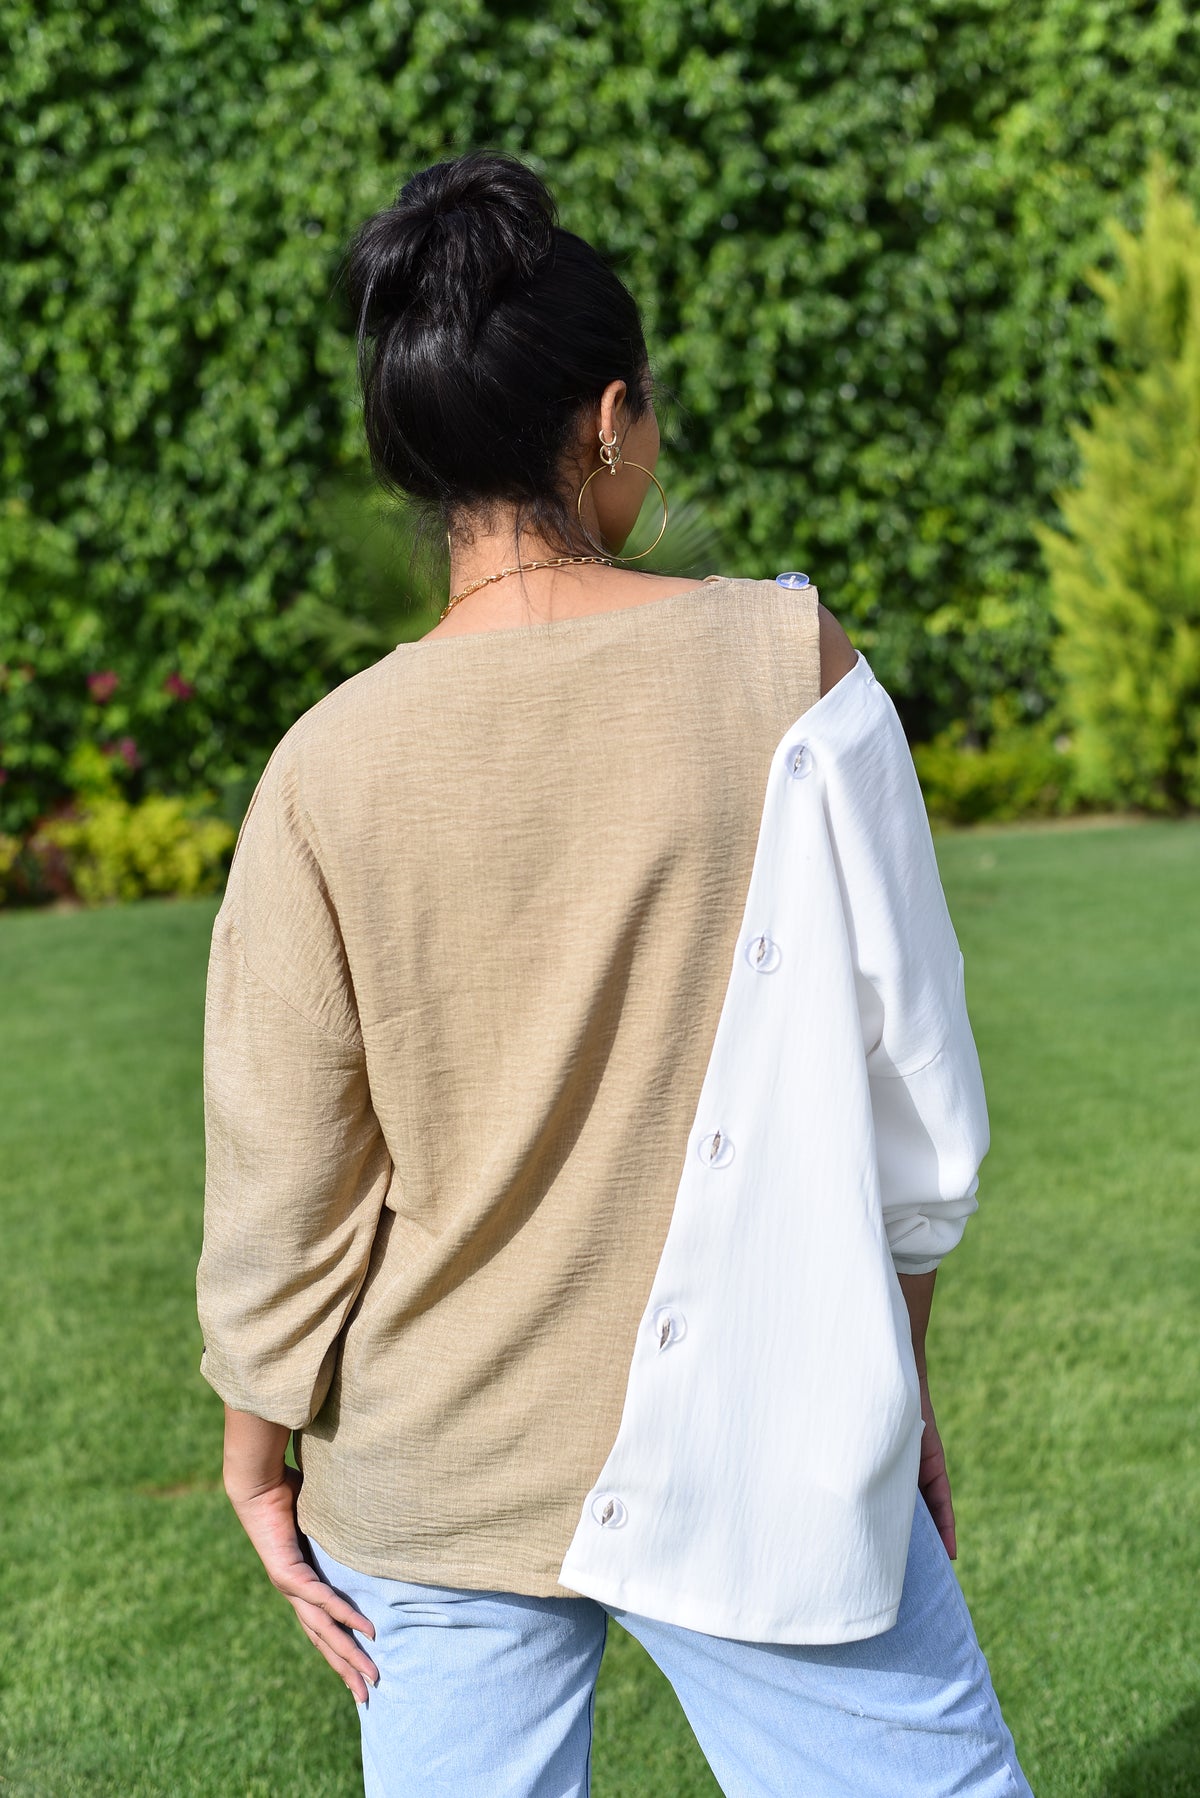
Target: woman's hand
932,1478
263,1491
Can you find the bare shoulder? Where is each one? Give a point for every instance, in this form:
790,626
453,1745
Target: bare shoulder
838,654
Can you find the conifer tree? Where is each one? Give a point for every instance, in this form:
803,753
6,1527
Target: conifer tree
1125,572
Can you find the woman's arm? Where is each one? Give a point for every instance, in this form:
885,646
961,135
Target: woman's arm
932,1477
296,1173
262,1490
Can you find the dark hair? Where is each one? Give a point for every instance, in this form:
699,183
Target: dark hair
483,330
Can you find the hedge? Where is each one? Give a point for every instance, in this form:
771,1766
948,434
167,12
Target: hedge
858,232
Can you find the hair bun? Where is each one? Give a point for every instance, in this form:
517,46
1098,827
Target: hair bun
458,234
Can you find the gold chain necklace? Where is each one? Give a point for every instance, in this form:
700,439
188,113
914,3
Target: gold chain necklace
521,568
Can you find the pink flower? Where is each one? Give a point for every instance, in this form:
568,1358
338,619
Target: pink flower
177,687
127,749
102,686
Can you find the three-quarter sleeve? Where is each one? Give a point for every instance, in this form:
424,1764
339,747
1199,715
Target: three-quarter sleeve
931,1134
296,1166
926,1087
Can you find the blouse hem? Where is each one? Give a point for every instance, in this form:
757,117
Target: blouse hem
498,1575
731,1625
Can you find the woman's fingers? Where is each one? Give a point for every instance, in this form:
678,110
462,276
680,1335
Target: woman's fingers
932,1478
319,1617
352,1677
941,1509
301,1582
934,1482
335,1642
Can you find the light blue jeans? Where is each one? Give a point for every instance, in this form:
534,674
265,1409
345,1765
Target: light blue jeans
492,1695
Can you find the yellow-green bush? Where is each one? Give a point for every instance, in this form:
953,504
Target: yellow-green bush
1125,569
10,848
1025,770
116,850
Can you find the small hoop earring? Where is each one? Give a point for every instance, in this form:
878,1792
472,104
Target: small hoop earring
610,466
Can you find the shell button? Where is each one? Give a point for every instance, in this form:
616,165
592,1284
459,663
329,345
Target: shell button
669,1326
715,1150
763,954
608,1510
799,760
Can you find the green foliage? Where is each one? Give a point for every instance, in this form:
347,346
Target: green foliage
1126,573
45,637
858,231
1024,770
67,682
116,850
392,575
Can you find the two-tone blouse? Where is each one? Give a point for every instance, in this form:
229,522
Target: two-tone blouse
586,1051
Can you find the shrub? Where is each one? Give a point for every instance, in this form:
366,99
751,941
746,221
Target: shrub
1024,770
117,850
1125,572
10,849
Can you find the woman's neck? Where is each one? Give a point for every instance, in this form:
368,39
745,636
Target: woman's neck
541,595
486,553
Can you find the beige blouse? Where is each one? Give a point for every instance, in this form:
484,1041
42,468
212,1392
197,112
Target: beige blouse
463,986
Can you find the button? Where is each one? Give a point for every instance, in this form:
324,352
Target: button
669,1326
791,580
716,1150
763,954
608,1510
799,760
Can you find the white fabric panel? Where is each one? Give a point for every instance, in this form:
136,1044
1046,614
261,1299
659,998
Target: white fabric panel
927,1098
762,1480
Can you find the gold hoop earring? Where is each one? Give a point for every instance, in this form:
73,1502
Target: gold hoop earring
610,463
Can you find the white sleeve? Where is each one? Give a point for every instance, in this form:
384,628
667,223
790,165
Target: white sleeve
931,1134
926,1086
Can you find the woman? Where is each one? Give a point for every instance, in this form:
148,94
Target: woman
590,1098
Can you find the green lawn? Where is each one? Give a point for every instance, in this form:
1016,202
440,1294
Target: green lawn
142,1651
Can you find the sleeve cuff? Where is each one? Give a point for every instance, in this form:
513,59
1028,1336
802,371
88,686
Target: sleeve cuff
909,1264
288,1409
921,1238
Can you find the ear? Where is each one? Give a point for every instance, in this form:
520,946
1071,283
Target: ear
612,408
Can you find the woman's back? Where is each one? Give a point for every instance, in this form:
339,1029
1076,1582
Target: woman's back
532,849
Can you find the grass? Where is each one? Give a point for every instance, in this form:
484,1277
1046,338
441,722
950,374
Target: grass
143,1652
